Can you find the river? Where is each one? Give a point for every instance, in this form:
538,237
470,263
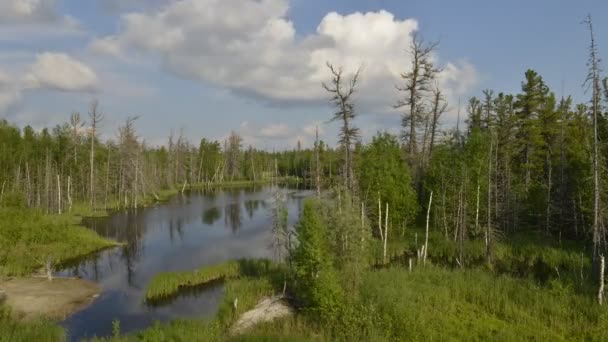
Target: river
189,231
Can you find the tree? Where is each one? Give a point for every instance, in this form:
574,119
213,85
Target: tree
439,107
341,97
316,283
417,81
232,149
384,175
96,118
593,81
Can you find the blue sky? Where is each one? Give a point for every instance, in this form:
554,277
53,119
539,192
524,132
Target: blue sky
206,67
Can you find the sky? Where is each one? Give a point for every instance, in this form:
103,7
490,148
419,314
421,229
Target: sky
204,68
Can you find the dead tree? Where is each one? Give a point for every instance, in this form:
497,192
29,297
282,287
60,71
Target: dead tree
96,118
417,82
317,164
440,106
341,98
593,81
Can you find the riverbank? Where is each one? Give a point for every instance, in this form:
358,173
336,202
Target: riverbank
33,240
33,298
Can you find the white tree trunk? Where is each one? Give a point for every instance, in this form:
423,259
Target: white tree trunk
600,294
426,238
385,234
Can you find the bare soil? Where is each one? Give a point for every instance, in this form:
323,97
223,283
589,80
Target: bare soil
268,309
38,297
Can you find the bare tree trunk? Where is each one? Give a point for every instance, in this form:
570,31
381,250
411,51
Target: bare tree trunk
69,192
477,207
426,237
380,219
317,164
593,81
489,223
385,234
600,294
58,194
96,117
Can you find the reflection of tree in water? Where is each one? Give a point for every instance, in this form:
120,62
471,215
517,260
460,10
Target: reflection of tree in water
252,206
211,215
251,189
176,225
132,251
232,216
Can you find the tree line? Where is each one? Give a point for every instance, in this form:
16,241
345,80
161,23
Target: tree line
531,160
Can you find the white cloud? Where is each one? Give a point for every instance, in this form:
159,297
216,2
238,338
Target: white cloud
60,72
311,129
252,47
275,131
50,71
9,92
34,12
27,11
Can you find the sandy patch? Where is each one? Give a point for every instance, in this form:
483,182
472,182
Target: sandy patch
37,297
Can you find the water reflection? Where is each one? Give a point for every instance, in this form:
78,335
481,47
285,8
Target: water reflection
232,216
211,215
185,233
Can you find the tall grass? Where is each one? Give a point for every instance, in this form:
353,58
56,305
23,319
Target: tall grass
11,330
29,237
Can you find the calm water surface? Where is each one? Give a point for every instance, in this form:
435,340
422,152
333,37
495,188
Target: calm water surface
190,231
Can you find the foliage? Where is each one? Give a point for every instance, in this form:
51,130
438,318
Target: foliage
12,330
384,175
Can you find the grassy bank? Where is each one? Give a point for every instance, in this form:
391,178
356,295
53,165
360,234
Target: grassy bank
247,290
29,237
12,330
168,284
429,303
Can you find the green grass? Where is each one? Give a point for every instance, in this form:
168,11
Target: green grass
431,303
434,303
168,284
29,237
11,330
249,292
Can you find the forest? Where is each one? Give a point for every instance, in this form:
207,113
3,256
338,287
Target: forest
490,230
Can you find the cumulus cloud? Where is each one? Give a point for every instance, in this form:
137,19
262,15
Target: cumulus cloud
9,92
250,46
33,12
276,135
60,72
311,129
50,71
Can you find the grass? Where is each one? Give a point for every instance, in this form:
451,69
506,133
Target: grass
431,303
438,304
434,303
248,290
11,330
29,237
168,284
529,254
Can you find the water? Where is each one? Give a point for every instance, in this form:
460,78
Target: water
190,231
